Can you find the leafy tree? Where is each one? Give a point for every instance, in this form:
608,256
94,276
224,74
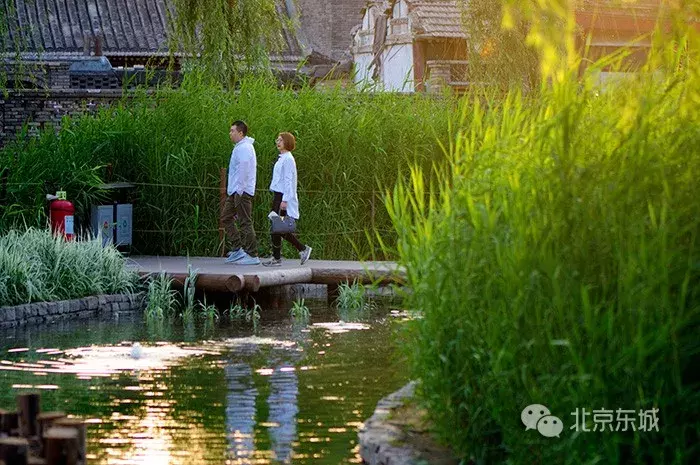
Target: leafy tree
230,37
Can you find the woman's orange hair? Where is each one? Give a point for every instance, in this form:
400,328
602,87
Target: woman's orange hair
290,143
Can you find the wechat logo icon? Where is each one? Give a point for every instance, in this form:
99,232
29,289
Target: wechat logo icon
539,417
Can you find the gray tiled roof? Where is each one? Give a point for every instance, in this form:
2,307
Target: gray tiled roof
437,18
129,27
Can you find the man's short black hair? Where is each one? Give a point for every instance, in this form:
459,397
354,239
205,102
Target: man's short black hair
241,126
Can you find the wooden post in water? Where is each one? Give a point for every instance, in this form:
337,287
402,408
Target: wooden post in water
28,407
45,421
9,423
223,175
80,427
62,446
14,451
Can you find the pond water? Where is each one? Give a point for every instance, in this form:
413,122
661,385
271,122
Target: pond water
206,394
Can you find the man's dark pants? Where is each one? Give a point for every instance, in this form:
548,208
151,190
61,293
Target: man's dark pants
240,208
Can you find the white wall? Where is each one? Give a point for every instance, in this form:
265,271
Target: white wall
363,75
397,68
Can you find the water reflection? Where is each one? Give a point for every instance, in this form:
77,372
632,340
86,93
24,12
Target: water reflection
291,393
240,412
283,410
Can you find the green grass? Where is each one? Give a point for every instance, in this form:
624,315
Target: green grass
351,145
36,266
557,262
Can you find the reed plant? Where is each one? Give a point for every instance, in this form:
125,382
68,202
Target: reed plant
239,313
556,262
172,144
353,303
161,298
299,311
36,266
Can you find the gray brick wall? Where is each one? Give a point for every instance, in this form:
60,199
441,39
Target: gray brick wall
43,108
327,24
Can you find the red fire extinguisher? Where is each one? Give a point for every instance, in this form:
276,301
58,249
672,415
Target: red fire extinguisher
62,216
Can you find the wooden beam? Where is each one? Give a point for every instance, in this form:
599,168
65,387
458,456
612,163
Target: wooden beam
209,282
337,276
277,277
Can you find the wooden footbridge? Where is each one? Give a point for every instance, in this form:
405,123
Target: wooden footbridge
214,274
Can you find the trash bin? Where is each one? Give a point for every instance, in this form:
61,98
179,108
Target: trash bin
113,221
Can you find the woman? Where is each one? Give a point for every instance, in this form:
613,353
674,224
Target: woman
284,200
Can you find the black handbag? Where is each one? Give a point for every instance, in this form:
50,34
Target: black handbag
283,224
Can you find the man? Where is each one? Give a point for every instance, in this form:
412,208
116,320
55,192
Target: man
239,203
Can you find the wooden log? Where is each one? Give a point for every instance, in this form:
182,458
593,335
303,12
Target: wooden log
337,276
206,282
14,451
28,408
36,461
9,422
62,446
45,421
80,426
277,277
250,283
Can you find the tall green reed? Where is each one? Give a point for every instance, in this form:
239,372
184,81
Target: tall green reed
555,261
351,145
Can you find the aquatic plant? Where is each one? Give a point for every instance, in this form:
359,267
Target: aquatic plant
253,316
161,298
188,293
36,266
299,310
237,312
208,312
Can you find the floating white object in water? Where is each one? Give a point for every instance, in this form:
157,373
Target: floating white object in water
136,351
341,327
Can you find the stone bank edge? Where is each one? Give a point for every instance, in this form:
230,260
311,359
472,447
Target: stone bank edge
87,307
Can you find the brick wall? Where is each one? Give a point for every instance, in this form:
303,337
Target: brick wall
41,108
327,24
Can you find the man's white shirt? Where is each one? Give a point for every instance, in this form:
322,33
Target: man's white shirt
242,168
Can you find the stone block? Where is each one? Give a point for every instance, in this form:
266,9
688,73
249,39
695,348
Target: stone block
19,311
10,314
92,303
